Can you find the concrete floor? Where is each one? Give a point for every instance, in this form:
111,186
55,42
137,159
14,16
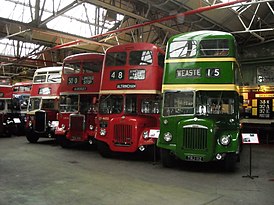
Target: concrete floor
46,174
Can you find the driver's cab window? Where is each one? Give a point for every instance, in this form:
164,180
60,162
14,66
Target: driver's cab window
85,104
150,106
223,106
131,104
111,104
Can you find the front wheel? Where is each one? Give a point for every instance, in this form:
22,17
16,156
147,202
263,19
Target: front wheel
230,162
167,158
64,142
32,138
104,149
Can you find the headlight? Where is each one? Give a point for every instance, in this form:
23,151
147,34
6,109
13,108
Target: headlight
225,140
103,132
167,136
30,123
63,126
91,127
165,121
145,134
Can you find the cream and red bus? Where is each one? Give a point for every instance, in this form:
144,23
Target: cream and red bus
43,104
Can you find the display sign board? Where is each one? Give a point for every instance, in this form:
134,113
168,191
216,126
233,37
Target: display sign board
264,108
153,133
265,75
250,138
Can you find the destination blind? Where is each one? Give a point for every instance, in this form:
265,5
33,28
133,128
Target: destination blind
188,73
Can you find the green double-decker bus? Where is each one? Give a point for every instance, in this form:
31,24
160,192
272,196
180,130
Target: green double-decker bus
200,118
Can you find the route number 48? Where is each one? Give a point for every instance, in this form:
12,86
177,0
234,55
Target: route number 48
117,75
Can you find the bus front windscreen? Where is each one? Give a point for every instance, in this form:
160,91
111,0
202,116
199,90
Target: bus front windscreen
215,102
150,106
69,103
48,104
178,103
34,104
111,104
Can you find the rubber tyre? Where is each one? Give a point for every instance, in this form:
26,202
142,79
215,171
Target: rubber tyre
167,158
230,162
104,149
32,138
64,142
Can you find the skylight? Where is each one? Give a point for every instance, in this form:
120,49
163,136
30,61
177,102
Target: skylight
69,16
8,48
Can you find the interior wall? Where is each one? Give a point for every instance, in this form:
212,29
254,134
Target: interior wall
254,60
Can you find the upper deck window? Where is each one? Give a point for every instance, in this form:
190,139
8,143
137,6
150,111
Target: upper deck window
54,77
140,58
72,68
214,47
182,49
90,67
116,59
40,78
22,88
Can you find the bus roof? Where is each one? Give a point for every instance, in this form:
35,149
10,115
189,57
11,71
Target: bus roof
25,83
49,69
84,57
134,46
201,35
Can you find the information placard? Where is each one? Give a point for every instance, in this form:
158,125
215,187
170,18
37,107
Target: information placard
250,138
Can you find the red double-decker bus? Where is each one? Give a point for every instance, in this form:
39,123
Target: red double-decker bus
43,104
79,93
130,95
20,98
6,118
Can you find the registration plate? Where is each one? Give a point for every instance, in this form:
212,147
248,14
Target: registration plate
194,158
76,138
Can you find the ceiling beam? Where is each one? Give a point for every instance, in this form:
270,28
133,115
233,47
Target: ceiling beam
128,13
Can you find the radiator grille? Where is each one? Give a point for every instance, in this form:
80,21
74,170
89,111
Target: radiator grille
77,122
123,135
194,138
40,121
